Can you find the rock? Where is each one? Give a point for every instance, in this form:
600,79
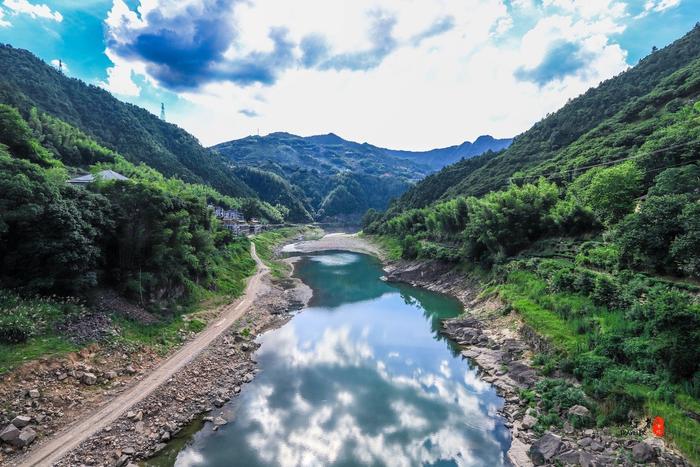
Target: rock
583,442
568,428
9,434
579,411
121,462
111,374
596,446
140,427
165,437
517,454
248,377
130,370
25,438
219,402
62,376
20,421
218,421
571,457
34,393
129,451
88,379
545,448
528,422
643,452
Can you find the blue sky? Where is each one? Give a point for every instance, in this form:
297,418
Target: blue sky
410,74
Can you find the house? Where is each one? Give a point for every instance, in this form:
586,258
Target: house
228,216
103,175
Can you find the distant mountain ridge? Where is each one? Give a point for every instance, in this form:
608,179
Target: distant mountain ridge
336,177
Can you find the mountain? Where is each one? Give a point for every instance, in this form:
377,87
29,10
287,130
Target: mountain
335,177
439,158
586,234
27,82
616,104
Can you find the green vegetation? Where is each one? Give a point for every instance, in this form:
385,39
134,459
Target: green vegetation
267,242
629,115
151,238
595,242
330,178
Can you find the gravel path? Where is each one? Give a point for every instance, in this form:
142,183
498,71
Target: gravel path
52,450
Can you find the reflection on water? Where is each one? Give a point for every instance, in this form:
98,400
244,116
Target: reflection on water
358,378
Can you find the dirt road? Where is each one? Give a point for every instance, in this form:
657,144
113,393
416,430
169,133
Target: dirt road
54,448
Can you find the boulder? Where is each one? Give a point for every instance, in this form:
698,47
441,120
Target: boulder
579,411
643,452
571,457
34,393
545,448
122,461
25,438
218,421
20,421
88,379
528,422
10,433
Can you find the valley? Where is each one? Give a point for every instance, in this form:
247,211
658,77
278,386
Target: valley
504,301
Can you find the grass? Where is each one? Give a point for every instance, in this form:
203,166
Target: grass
267,242
389,246
522,291
14,355
558,317
231,269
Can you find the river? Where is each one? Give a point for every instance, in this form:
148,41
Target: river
359,377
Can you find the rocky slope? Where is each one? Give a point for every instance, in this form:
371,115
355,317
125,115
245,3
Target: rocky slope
502,346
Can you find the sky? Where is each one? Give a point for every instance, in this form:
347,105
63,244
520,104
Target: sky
404,74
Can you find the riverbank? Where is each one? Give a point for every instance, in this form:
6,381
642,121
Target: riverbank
498,341
59,395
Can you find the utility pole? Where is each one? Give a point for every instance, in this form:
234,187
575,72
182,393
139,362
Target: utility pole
162,111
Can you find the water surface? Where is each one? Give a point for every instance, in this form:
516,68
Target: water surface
360,377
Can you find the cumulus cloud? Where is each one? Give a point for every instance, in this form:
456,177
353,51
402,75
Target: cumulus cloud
33,10
383,71
562,59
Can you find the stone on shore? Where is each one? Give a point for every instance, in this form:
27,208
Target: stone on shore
20,421
88,379
25,438
10,433
545,448
643,452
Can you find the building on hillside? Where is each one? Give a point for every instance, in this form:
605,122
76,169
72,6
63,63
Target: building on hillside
232,219
232,215
103,175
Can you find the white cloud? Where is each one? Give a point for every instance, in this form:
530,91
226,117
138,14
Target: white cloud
435,91
120,77
33,10
3,22
657,6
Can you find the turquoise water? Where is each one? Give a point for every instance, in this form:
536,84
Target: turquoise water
360,377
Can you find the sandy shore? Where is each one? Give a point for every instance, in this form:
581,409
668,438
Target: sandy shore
335,241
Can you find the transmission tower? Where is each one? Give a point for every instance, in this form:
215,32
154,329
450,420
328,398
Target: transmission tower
162,111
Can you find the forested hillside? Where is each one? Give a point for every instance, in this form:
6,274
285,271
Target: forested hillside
150,239
594,243
334,178
549,146
26,82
